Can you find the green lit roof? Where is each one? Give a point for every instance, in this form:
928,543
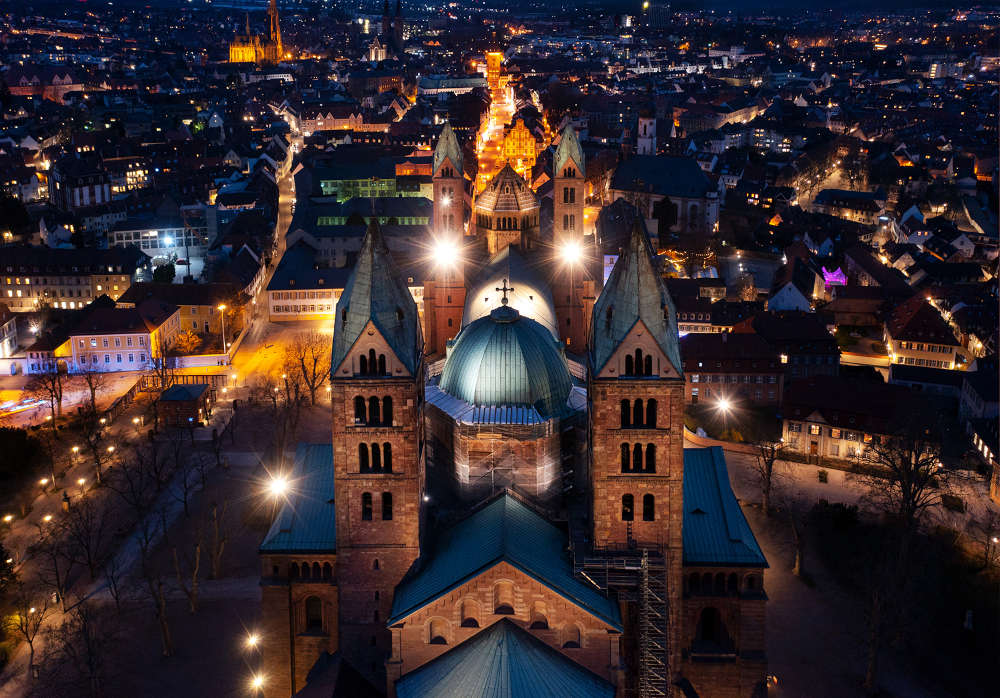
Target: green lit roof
634,292
503,530
569,149
306,520
377,292
507,360
503,661
715,532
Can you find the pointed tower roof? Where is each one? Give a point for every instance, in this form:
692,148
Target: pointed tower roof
448,148
634,292
569,149
376,292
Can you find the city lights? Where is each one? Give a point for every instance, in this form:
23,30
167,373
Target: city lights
278,486
252,640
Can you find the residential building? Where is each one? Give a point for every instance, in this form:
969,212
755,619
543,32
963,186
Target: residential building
123,339
915,334
738,368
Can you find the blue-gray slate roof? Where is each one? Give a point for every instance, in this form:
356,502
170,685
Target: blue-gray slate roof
306,522
183,393
662,175
715,532
635,291
503,530
377,291
506,360
503,661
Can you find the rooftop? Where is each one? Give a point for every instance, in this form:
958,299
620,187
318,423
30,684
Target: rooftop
306,522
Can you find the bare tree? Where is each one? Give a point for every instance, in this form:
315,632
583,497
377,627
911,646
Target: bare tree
308,356
49,385
903,484
148,534
767,453
192,565
96,382
219,538
81,647
92,431
56,562
86,526
114,575
26,619
283,397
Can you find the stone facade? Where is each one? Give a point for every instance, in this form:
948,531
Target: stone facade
440,626
444,303
299,617
379,510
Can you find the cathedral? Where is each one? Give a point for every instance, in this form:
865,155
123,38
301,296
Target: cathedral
252,48
506,506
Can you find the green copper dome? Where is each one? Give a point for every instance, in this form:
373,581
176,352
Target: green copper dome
504,359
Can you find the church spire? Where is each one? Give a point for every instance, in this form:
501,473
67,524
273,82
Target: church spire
448,149
569,149
634,292
376,292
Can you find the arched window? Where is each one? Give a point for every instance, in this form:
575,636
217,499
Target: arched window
317,573
651,413
293,570
650,458
626,415
637,415
363,365
371,361
539,618
694,583
648,507
732,584
470,614
387,506
305,570
571,637
327,571
381,364
314,614
711,635
706,583
647,365
437,631
449,322
373,410
503,599
637,458
751,583
629,364
638,362
376,459
565,222
387,411
720,583
366,506
363,462
375,564
625,458
628,507
359,408
387,456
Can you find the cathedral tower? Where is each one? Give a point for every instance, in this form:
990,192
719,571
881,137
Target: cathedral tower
274,31
645,142
377,392
636,423
444,294
568,174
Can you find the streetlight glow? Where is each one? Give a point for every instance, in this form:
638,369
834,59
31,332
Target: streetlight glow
252,640
445,253
257,682
278,486
724,404
81,481
47,518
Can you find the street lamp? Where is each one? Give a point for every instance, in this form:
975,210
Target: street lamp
278,486
222,314
253,640
257,682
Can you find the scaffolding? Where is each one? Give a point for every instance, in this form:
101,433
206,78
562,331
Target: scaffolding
638,576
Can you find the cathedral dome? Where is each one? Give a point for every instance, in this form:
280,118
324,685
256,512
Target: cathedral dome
505,360
507,192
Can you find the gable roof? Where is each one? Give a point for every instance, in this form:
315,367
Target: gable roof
377,292
634,292
916,319
306,522
183,393
503,661
503,530
715,532
662,175
568,149
447,148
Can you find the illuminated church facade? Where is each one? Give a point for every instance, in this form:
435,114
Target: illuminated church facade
253,48
506,506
